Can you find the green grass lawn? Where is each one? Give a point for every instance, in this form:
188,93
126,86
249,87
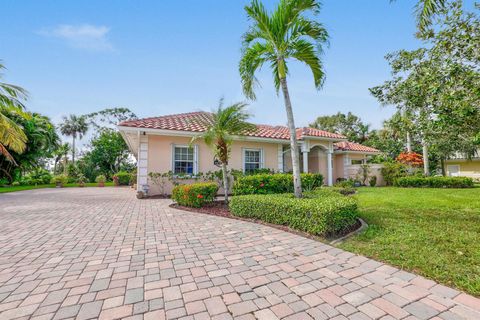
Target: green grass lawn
433,232
68,185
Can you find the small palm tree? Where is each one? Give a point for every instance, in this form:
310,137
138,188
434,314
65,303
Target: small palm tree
12,135
59,153
275,38
75,127
225,124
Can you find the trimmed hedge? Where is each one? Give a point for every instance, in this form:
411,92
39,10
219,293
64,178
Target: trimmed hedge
274,183
195,195
434,182
321,213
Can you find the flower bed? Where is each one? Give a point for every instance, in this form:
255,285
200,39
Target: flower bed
195,195
434,182
274,183
320,213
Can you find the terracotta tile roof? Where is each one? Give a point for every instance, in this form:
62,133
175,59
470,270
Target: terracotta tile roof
352,146
194,122
312,132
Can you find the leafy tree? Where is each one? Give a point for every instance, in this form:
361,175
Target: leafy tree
75,127
42,141
438,87
287,33
11,134
109,117
225,124
108,155
348,125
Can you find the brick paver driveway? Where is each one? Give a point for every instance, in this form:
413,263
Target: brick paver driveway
100,253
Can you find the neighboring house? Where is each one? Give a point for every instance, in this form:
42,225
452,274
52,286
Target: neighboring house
161,144
461,166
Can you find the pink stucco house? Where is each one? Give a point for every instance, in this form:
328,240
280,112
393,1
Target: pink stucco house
161,144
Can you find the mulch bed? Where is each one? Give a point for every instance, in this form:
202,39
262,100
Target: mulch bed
218,208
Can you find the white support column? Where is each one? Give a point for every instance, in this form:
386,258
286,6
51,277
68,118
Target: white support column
305,161
346,164
142,163
280,157
329,168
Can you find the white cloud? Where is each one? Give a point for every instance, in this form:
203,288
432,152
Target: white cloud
87,37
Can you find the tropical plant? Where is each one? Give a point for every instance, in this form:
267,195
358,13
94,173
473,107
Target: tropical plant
11,134
42,140
61,152
224,125
275,38
75,127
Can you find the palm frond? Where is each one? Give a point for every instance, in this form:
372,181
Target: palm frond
425,10
305,52
252,60
12,135
286,33
11,95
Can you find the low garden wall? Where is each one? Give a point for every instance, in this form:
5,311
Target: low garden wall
354,172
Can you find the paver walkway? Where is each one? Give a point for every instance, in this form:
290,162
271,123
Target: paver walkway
100,253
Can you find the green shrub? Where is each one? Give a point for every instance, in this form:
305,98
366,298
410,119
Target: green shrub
373,181
274,183
195,195
350,183
392,171
122,177
60,179
324,213
100,179
434,182
346,191
15,184
81,179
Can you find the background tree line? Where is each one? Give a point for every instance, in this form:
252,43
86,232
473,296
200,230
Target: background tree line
31,150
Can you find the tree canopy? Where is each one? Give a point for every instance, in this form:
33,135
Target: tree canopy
348,125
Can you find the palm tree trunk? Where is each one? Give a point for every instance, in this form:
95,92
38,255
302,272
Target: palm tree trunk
297,183
225,181
73,150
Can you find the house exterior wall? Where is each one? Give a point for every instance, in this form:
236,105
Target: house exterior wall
157,157
338,167
160,156
468,168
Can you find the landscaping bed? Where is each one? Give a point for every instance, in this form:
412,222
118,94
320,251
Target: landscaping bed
322,212
220,209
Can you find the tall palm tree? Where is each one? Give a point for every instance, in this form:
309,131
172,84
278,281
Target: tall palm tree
75,127
11,134
225,124
274,38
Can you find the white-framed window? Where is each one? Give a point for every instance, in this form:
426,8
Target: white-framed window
453,170
184,159
252,160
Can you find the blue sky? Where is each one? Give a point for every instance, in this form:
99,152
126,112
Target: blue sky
163,57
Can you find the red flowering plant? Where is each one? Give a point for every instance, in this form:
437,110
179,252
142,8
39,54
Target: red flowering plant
412,159
195,195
